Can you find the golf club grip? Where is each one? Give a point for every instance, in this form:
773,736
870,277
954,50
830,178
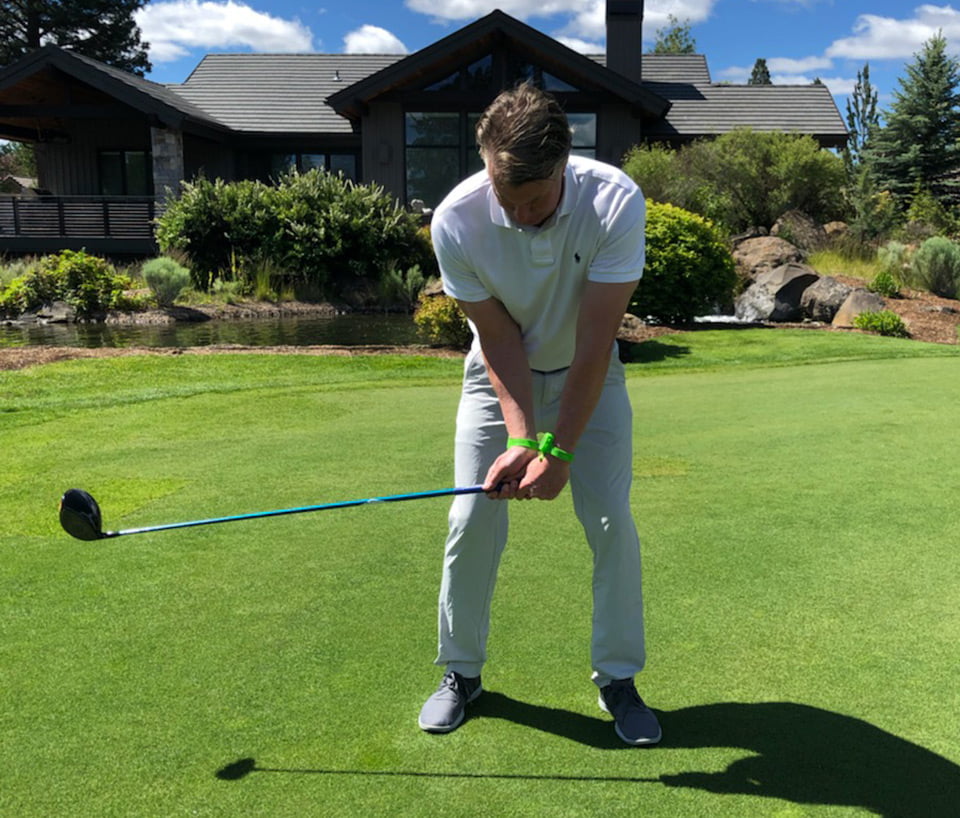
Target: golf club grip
392,498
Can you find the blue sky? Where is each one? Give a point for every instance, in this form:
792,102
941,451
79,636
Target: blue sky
800,39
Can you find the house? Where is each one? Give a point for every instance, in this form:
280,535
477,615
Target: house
111,146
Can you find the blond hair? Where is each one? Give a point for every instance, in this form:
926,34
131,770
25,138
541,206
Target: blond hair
524,136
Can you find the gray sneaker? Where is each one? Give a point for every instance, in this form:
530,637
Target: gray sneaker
634,722
444,710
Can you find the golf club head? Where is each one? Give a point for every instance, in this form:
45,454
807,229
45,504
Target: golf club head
80,515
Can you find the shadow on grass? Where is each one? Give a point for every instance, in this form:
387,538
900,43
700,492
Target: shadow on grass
798,753
648,352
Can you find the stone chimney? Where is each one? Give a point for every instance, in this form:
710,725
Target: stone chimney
625,37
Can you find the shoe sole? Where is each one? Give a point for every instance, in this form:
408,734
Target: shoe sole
449,728
632,742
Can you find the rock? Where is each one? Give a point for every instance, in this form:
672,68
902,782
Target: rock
822,299
434,287
59,312
753,256
836,230
749,233
630,324
775,294
860,300
800,230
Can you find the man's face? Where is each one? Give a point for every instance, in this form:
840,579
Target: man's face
531,203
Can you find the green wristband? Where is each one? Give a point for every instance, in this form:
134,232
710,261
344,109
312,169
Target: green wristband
523,441
547,447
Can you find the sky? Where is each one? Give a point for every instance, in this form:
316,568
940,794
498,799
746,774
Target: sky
801,40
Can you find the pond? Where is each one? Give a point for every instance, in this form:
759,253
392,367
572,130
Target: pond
347,330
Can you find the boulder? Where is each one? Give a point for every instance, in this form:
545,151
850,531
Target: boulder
58,312
799,229
822,299
860,300
754,256
836,230
775,294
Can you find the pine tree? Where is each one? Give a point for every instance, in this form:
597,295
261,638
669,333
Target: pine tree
102,29
862,119
760,74
918,149
674,38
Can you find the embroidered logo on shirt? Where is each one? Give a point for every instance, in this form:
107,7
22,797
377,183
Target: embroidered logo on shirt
576,257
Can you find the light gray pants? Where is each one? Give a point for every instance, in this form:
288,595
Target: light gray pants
600,481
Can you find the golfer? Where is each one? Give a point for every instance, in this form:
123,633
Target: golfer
542,250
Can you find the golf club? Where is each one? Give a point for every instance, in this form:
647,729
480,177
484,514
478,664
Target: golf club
80,513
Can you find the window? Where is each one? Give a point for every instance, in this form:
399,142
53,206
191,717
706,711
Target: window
584,127
441,149
125,173
345,163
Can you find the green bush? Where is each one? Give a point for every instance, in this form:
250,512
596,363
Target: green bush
440,321
885,284
884,322
166,278
220,226
689,270
936,267
743,178
87,283
319,231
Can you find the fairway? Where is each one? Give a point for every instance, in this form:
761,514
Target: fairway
797,503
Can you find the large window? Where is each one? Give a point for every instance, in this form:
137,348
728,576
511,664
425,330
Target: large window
345,163
440,144
441,149
125,173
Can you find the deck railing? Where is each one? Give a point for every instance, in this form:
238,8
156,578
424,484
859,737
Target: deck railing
77,217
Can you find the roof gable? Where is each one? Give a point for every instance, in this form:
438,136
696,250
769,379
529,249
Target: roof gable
143,95
495,30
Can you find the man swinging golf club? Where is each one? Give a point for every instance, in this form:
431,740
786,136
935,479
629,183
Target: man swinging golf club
542,250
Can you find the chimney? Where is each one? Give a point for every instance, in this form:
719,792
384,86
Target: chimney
625,37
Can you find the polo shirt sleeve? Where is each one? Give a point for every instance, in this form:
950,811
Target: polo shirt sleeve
622,251
459,277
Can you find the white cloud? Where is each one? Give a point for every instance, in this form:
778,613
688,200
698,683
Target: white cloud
587,18
786,65
174,28
372,40
876,37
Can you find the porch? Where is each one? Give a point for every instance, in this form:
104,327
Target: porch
103,225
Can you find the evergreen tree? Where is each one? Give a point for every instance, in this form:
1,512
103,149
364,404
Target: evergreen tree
862,118
674,38
760,74
918,149
102,29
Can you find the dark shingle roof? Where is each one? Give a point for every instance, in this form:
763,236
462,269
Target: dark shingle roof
278,93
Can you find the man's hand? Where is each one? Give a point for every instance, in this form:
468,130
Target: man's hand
504,476
544,479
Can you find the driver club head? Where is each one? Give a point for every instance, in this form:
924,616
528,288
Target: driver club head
80,515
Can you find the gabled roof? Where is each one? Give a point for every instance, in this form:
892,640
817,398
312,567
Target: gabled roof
277,93
479,38
148,97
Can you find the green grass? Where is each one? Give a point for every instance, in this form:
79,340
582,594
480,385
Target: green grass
832,263
796,495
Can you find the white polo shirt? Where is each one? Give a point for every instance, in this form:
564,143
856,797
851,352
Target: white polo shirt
538,274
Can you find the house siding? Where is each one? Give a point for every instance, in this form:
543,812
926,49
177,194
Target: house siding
382,156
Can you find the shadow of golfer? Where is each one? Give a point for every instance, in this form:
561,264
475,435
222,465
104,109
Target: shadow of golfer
812,756
797,753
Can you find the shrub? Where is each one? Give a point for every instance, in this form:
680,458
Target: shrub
440,321
884,322
689,270
166,278
320,232
743,178
402,288
87,283
936,267
885,284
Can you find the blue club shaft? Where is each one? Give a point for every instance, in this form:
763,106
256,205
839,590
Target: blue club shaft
392,498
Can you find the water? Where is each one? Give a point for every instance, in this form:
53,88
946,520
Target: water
345,330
